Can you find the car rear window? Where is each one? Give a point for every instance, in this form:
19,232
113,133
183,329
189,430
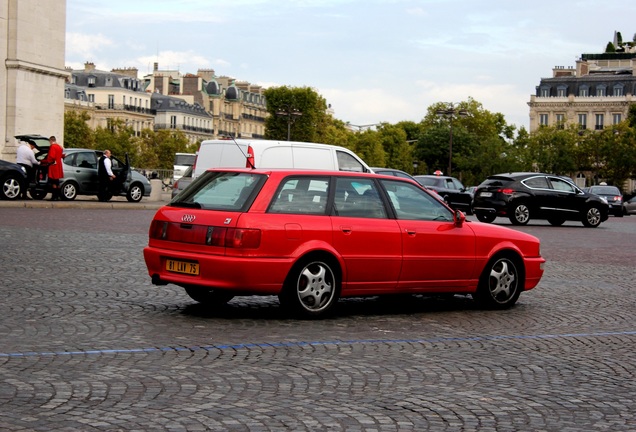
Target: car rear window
605,190
220,190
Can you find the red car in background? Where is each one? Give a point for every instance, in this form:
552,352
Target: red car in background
312,237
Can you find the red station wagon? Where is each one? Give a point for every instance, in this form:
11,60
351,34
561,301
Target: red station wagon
311,237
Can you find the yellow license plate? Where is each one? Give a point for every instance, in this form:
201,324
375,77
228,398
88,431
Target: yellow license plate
190,268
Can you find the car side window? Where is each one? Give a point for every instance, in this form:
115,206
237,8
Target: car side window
301,195
561,185
346,162
356,197
537,183
85,160
412,203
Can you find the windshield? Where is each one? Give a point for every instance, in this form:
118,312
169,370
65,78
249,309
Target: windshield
605,190
184,159
216,190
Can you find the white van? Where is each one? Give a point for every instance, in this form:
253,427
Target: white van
250,153
182,161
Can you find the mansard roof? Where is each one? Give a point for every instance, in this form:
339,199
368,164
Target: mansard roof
97,78
164,103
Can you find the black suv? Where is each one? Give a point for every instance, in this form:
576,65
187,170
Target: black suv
450,189
524,196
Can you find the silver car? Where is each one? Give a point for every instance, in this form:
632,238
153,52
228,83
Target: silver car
80,176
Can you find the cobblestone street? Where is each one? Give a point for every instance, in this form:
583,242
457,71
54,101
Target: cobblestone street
87,343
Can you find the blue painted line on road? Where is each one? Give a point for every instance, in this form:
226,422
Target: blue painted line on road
237,347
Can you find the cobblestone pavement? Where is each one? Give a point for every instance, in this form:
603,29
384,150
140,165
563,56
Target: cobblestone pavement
88,344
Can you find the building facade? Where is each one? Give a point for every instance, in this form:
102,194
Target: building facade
594,95
32,73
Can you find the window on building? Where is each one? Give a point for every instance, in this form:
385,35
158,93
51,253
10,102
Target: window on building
111,101
67,93
109,81
562,91
173,122
91,98
599,122
544,91
91,81
543,119
601,90
560,121
582,121
618,90
617,118
584,91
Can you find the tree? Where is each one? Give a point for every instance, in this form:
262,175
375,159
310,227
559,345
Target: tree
610,48
157,148
311,123
552,150
77,133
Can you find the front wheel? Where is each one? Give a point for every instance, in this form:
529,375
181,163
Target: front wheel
592,217
520,214
135,193
11,187
208,296
485,217
37,194
311,288
500,284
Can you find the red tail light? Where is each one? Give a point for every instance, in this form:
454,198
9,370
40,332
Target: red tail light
506,191
249,163
237,238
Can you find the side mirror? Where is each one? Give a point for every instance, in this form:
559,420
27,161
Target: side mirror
460,218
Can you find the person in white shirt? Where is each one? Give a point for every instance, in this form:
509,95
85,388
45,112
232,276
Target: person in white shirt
105,176
26,158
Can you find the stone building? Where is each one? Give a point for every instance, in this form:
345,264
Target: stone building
593,95
32,73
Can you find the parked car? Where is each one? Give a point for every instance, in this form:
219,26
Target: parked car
524,196
629,206
612,195
183,182
80,176
450,189
392,172
313,236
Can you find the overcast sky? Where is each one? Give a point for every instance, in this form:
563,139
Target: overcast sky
372,60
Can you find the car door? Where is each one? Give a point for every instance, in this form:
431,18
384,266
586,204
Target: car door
82,167
436,253
365,237
123,174
566,198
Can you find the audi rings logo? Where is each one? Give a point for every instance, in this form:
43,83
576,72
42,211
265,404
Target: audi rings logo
189,218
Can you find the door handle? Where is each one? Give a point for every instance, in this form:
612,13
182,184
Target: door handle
346,229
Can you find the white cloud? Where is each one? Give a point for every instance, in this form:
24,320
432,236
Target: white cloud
86,45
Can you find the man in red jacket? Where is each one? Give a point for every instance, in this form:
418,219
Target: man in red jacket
54,161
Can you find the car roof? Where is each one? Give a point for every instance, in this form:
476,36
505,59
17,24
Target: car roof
299,171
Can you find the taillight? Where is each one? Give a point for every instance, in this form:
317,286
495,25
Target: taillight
618,198
249,163
506,191
236,238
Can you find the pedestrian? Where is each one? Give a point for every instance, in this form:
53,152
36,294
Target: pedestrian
55,170
105,176
26,158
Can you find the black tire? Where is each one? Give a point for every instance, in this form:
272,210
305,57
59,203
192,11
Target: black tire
11,187
592,217
312,288
68,191
207,296
520,214
485,217
37,194
500,283
556,221
135,193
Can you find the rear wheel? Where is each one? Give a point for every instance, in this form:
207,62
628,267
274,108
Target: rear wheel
486,218
312,288
500,283
520,214
69,191
37,194
592,217
209,296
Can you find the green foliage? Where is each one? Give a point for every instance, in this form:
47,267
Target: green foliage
157,148
77,133
310,126
610,48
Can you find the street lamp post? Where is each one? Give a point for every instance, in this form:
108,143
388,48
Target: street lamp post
451,112
292,114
